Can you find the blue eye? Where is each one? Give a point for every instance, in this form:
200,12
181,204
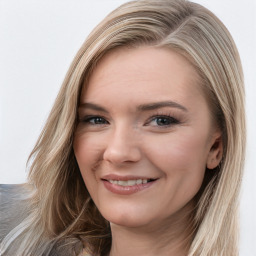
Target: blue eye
164,121
95,120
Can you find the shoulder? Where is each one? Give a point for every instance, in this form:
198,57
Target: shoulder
14,191
13,206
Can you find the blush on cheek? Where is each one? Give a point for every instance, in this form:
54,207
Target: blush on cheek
190,147
86,148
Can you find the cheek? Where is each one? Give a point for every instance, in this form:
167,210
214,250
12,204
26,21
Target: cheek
181,149
182,160
87,150
88,155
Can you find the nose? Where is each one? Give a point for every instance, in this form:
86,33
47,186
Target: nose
123,147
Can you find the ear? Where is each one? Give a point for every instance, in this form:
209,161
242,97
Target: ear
216,151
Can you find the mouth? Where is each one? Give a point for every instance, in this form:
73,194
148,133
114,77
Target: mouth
127,185
131,182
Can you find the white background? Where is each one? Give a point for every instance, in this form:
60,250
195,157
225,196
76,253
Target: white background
38,40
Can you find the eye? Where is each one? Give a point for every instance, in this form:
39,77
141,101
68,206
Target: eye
94,120
164,121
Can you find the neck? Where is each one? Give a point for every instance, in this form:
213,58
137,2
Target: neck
172,237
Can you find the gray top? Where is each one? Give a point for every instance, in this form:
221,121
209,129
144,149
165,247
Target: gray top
14,209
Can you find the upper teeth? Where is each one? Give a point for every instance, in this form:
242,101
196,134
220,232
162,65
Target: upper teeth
129,182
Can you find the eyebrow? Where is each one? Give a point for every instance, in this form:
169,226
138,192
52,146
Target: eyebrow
156,105
93,106
143,107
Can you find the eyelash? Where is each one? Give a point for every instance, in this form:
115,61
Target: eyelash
168,120
89,119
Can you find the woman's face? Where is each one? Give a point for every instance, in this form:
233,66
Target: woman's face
144,136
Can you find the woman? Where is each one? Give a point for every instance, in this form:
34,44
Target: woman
143,150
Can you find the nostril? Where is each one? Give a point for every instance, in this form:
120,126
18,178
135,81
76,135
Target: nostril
121,153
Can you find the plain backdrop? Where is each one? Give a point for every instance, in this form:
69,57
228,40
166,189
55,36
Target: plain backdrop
38,40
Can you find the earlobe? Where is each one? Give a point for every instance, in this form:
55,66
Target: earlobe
215,153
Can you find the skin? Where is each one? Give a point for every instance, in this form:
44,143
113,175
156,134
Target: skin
172,144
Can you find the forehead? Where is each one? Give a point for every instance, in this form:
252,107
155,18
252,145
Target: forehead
142,72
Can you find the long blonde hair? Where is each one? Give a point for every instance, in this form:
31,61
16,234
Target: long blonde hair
62,214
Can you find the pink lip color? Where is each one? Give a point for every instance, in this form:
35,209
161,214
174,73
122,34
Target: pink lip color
127,177
126,190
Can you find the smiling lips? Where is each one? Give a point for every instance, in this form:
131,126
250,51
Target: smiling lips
130,182
126,185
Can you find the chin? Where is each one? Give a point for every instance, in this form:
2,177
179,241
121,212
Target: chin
125,219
